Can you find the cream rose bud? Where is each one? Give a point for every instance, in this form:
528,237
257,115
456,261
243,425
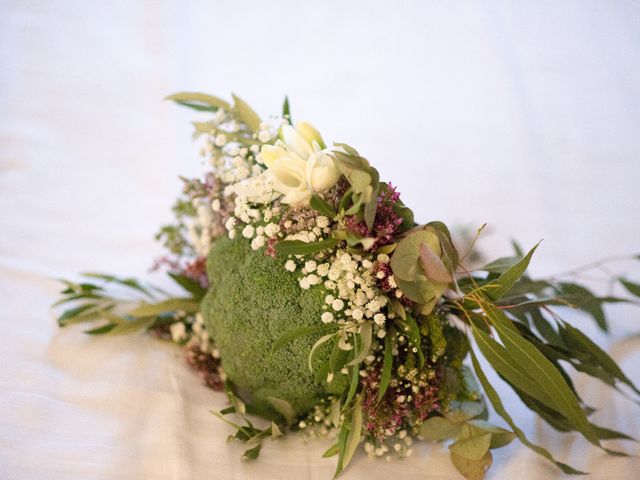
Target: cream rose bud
270,153
321,171
295,142
310,133
289,178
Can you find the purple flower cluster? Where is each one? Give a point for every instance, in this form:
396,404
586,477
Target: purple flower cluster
387,221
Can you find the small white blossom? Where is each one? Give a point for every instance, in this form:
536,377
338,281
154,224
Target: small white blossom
264,136
322,221
178,332
327,317
257,243
248,231
337,304
310,265
290,265
220,140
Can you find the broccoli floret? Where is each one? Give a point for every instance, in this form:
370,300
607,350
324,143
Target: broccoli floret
252,302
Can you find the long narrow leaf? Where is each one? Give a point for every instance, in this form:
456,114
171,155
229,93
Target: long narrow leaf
500,410
499,287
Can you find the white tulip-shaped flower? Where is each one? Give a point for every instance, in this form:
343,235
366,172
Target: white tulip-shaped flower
298,164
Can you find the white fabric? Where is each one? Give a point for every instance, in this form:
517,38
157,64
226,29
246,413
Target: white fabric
522,114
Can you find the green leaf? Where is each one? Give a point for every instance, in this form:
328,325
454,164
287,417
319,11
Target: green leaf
187,305
499,436
498,288
74,312
582,298
199,101
252,453
500,265
320,205
365,336
500,410
286,111
371,206
125,282
275,430
292,334
461,412
130,326
632,288
104,329
387,363
298,247
245,113
438,429
190,285
319,342
472,469
355,433
353,385
341,447
433,266
331,451
472,448
544,373
577,340
501,360
413,333
436,336
284,408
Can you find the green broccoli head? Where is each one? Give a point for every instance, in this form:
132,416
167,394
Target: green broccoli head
252,302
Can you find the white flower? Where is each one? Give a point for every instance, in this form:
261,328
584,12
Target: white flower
290,266
178,331
327,317
255,190
289,179
298,164
248,231
321,171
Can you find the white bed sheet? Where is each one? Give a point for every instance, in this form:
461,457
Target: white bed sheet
525,115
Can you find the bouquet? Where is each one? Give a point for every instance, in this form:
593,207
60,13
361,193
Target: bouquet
314,300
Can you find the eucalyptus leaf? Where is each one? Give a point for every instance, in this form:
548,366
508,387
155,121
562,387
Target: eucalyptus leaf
632,288
500,265
365,336
472,448
286,110
579,341
245,113
252,453
472,469
499,436
284,408
130,326
438,429
500,287
500,410
195,99
187,305
544,373
320,205
355,433
190,285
